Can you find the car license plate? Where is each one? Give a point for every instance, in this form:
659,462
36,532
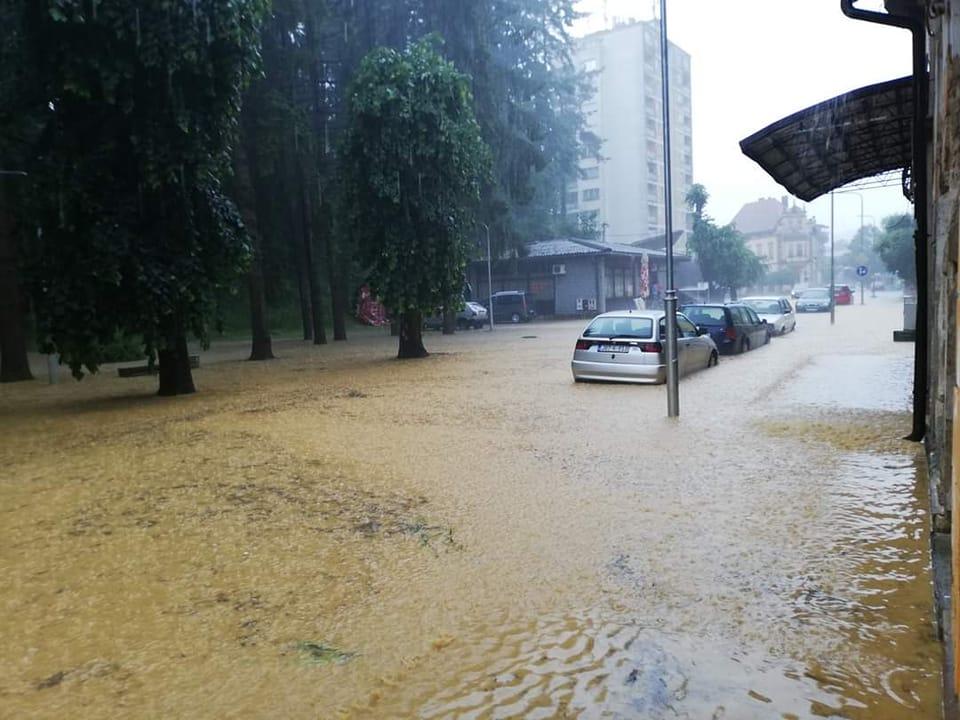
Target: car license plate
613,348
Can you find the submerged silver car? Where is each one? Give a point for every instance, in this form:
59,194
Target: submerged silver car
628,346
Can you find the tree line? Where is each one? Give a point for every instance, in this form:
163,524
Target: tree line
164,157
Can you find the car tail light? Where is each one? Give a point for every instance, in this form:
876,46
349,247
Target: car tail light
651,347
584,344
730,333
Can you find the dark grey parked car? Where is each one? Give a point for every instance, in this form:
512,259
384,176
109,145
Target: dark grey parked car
734,327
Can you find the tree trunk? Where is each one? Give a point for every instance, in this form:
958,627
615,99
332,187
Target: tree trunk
337,289
262,347
313,279
175,375
249,195
338,292
394,327
449,322
411,336
14,365
306,312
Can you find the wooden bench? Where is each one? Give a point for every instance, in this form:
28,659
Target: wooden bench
141,370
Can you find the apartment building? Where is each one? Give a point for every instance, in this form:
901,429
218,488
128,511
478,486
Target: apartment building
621,193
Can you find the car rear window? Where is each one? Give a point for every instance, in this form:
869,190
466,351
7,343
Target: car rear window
635,327
765,307
705,315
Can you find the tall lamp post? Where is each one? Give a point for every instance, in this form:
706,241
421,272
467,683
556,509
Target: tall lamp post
670,297
489,278
833,298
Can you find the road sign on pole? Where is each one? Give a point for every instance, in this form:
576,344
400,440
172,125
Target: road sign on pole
862,270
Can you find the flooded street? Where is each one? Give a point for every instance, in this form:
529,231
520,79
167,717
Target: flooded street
341,535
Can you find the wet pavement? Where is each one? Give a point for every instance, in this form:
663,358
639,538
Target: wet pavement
339,534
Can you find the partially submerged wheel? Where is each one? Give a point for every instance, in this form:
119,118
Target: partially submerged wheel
515,318
713,360
744,346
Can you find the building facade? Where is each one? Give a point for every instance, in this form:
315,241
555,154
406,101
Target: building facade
790,245
573,277
621,193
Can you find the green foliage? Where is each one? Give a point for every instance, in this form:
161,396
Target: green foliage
725,260
527,98
137,235
895,246
696,198
861,250
413,162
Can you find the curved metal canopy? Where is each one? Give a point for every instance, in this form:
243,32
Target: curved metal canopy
856,135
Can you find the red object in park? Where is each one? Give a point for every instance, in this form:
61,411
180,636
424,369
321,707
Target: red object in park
843,295
369,310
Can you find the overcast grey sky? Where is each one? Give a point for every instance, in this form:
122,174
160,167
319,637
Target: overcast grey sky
756,61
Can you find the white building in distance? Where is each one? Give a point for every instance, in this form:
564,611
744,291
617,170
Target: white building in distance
621,193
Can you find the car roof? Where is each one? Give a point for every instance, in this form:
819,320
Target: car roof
655,314
712,305
510,292
763,297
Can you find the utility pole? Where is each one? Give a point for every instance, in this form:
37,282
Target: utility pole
833,303
670,298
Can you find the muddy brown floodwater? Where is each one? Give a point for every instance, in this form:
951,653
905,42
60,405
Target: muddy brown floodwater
341,535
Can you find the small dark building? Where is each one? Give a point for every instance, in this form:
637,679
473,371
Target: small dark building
573,277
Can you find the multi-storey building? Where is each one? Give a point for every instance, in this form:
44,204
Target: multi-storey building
789,243
621,193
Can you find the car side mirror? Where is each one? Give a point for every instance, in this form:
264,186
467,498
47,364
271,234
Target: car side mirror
702,331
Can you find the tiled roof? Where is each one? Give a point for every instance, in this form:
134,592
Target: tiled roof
577,246
759,216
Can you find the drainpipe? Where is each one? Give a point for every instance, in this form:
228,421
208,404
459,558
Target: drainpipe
915,24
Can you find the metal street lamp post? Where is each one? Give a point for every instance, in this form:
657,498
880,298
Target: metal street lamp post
670,297
489,278
833,299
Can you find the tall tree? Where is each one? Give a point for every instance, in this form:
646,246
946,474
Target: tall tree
413,162
696,198
895,246
137,233
19,106
725,260
528,97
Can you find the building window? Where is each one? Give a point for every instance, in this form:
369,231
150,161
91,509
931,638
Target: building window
572,199
591,194
770,247
653,214
591,173
618,284
653,190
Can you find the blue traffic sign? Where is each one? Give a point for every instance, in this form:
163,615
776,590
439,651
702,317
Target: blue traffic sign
862,271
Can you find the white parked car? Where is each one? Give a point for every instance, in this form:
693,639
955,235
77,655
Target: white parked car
777,311
628,346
